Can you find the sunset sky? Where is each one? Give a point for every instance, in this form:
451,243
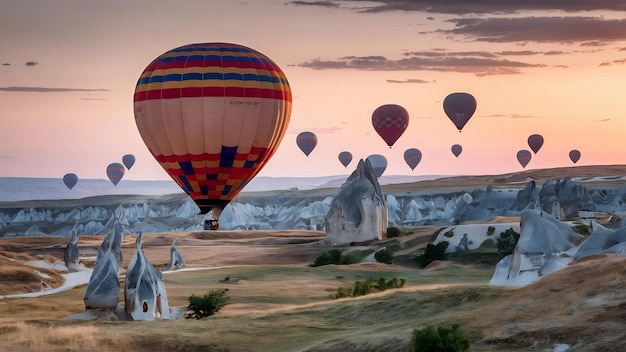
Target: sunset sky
68,70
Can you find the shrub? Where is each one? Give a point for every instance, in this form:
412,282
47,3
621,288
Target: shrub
440,339
207,305
333,256
507,241
369,285
433,252
392,232
490,230
384,256
449,234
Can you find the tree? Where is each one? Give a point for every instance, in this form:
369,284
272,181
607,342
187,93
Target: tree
507,241
207,305
440,339
433,252
384,255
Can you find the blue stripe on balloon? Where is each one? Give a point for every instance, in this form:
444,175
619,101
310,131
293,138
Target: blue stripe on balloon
227,157
186,167
209,76
187,187
226,190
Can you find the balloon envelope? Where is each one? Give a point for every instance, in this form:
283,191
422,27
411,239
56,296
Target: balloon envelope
306,141
574,155
345,158
456,150
379,164
115,172
524,156
412,157
212,115
390,121
535,141
128,160
70,180
459,107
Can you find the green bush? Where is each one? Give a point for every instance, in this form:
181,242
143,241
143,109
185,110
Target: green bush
207,305
369,285
449,234
440,339
507,241
384,256
433,252
392,232
333,256
490,230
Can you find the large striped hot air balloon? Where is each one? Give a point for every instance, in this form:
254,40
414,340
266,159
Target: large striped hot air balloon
212,115
390,121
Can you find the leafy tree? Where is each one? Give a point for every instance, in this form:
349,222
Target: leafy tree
384,256
490,230
392,232
333,256
433,252
440,339
507,241
207,305
369,285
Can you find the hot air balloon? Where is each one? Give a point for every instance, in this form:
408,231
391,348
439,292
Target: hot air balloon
212,114
412,157
574,155
390,121
306,141
524,156
128,160
535,141
345,158
70,180
379,164
115,172
456,150
459,107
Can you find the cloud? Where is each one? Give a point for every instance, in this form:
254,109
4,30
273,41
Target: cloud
510,116
50,90
93,99
317,130
409,80
614,62
478,63
31,63
6,64
603,120
591,31
477,6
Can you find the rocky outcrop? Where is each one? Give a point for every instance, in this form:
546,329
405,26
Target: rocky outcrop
71,254
358,212
176,260
103,289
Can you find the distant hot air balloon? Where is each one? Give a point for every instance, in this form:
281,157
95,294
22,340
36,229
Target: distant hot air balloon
524,156
390,121
345,158
412,157
379,164
306,141
70,180
574,155
456,150
535,141
128,160
212,115
459,107
115,172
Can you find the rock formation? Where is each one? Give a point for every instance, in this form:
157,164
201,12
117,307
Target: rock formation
358,212
176,260
71,254
144,291
103,289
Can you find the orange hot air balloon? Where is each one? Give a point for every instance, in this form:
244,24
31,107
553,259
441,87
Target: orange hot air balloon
523,157
345,158
535,141
115,172
457,149
460,108
306,141
390,121
212,114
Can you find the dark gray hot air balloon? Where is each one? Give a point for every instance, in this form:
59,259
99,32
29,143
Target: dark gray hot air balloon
128,160
574,155
524,156
456,150
115,172
306,141
459,107
70,180
345,158
379,164
412,157
535,141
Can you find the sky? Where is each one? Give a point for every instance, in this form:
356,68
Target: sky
68,70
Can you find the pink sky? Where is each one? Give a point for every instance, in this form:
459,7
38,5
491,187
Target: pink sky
557,70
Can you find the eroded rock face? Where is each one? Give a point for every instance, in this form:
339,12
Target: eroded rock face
358,212
71,254
103,289
176,260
